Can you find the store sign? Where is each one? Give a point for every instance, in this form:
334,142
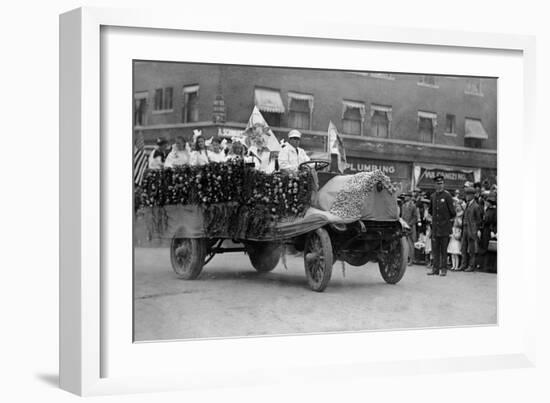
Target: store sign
392,169
229,133
453,177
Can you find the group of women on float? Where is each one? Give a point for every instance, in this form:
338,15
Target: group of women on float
201,154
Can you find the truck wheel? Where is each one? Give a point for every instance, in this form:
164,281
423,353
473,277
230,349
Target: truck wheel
393,264
318,259
187,256
264,256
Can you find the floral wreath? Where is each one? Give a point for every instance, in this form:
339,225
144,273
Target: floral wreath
255,135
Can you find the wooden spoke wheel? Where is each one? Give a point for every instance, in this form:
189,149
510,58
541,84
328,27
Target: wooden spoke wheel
264,256
318,259
393,263
187,256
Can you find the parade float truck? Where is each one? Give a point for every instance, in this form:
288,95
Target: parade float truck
326,215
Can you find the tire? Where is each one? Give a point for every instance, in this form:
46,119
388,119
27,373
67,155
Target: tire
187,256
318,259
264,256
394,265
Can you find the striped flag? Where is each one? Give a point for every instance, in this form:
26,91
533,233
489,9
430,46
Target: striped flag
335,145
140,159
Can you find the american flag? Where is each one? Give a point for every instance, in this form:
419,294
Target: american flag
140,159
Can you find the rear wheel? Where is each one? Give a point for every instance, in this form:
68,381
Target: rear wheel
318,259
393,263
264,256
187,256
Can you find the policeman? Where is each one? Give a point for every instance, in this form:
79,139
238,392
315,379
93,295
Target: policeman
291,156
443,212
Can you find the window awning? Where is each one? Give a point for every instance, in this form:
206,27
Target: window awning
300,97
268,100
428,115
381,108
353,105
190,89
475,130
141,95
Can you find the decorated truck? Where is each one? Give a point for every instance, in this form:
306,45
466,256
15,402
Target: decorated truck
326,215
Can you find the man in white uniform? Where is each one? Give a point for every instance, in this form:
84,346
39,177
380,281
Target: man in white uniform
291,156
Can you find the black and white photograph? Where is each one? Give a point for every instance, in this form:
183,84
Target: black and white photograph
271,200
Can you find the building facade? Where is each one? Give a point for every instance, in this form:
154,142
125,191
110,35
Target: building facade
409,126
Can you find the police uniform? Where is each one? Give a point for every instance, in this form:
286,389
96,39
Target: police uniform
443,212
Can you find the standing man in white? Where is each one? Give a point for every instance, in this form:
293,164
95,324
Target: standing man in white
291,156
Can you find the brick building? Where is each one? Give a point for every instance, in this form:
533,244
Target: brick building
410,126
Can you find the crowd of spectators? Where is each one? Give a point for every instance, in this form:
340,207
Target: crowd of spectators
472,239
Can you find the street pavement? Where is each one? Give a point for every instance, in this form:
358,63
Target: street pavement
230,299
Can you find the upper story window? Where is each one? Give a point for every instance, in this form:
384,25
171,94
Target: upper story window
190,110
163,99
473,87
270,103
427,81
450,124
140,108
353,116
300,110
427,124
380,120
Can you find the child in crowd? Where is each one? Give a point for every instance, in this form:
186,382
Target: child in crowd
217,153
455,242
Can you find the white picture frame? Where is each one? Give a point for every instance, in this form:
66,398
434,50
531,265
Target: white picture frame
83,291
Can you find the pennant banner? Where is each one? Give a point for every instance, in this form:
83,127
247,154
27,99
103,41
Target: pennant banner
259,132
335,145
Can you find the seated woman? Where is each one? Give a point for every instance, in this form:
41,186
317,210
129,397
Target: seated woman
200,155
179,155
216,153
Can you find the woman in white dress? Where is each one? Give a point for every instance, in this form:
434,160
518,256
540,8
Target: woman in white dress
216,153
200,155
179,155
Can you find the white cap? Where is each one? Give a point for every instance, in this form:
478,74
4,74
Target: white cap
294,134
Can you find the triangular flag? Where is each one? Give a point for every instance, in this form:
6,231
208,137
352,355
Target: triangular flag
335,145
257,120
